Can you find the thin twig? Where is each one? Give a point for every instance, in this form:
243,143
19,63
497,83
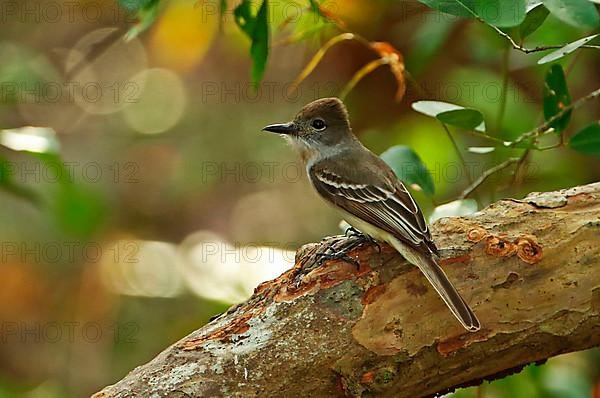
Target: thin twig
545,128
479,392
502,109
489,137
360,74
457,150
519,47
420,91
516,180
95,52
316,59
571,65
312,64
549,147
481,179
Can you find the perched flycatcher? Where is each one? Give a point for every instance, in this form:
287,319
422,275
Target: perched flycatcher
367,192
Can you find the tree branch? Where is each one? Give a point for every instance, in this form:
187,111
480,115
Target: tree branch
463,163
485,175
545,127
525,50
528,268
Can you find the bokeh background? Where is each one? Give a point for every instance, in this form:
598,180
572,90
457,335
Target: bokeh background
144,199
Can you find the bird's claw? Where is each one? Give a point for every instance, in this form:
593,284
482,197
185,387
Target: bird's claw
353,232
341,255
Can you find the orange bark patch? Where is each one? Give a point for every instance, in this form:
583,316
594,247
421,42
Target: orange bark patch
476,234
465,259
525,247
367,377
453,344
528,249
579,198
499,246
326,276
339,386
237,326
373,293
294,283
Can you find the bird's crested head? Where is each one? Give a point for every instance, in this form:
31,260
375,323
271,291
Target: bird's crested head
322,122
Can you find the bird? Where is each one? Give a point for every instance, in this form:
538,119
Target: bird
367,192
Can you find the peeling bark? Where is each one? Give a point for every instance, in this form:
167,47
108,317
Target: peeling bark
529,269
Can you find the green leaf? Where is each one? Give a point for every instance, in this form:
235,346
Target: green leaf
30,139
534,19
461,207
503,13
450,114
568,49
9,184
134,5
463,8
22,192
314,6
481,149
465,118
79,211
587,140
409,167
427,41
39,142
433,108
257,29
223,8
556,97
578,13
146,12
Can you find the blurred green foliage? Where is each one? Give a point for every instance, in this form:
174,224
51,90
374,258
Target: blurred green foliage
556,97
409,168
256,27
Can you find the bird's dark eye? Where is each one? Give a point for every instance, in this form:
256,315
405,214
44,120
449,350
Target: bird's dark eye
318,124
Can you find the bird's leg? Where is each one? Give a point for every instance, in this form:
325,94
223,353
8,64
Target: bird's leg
353,232
358,238
339,255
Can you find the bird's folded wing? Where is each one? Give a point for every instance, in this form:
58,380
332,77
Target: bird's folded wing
385,204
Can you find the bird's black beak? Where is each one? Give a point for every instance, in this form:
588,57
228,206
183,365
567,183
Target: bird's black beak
281,128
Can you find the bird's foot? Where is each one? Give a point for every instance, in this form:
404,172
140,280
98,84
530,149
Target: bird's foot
351,231
339,255
357,238
362,238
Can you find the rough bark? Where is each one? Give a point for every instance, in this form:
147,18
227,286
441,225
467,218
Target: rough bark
530,269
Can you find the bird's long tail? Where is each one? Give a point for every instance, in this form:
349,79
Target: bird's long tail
438,279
